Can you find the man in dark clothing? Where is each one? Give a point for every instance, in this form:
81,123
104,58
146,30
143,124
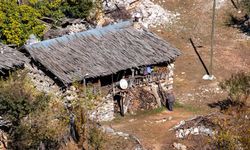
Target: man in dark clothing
170,100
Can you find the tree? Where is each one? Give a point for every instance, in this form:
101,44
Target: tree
57,9
18,22
77,8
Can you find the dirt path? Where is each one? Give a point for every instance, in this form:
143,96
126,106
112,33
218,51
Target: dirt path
152,130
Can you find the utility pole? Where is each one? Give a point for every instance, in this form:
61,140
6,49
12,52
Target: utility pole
212,41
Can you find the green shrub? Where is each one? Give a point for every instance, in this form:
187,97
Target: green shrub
238,87
96,137
234,132
245,4
17,99
35,117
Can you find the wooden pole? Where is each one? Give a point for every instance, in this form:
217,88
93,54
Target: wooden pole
212,40
100,86
85,90
113,86
122,103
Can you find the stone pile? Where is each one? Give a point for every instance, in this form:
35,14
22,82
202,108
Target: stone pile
154,15
74,28
183,133
150,14
200,125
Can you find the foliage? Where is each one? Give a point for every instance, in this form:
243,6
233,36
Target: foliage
246,6
34,116
48,8
234,132
234,129
18,22
238,87
49,128
96,138
16,98
58,9
38,119
90,134
77,8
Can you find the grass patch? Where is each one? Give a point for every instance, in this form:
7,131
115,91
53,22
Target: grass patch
186,107
151,112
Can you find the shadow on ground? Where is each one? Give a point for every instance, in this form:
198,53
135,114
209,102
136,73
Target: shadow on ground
224,104
242,23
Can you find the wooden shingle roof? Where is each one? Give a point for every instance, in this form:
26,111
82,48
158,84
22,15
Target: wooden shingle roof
10,58
101,51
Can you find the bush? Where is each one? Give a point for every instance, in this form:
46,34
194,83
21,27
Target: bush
48,126
234,130
35,117
245,4
238,87
17,99
88,134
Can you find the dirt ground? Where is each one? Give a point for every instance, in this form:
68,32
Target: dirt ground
152,129
231,55
231,50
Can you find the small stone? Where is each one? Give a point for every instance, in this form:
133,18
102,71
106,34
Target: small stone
109,130
180,134
187,132
195,131
161,121
179,146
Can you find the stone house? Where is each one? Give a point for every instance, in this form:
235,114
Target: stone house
113,60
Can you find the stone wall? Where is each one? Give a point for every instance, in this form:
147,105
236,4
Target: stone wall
41,81
135,99
105,110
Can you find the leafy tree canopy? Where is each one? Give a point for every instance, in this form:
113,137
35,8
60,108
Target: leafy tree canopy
58,9
18,22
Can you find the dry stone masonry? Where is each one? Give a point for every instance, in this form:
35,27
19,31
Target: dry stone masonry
105,110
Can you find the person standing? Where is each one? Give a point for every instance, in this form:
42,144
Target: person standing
170,100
